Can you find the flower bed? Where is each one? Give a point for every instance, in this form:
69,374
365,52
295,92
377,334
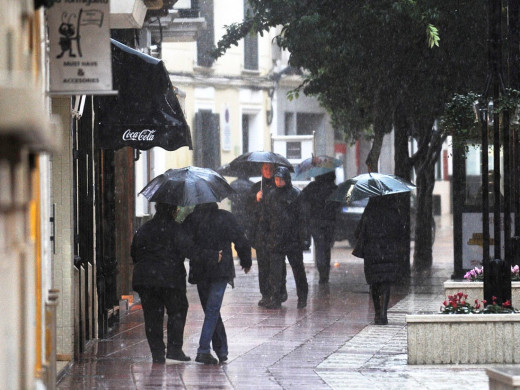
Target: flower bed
464,333
473,286
463,339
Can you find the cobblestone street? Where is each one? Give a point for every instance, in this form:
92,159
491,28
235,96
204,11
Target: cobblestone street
332,344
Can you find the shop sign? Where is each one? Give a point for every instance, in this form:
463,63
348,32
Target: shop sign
79,47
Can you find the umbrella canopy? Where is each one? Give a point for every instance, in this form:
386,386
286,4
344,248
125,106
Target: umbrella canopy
146,112
239,171
316,166
368,185
187,187
250,163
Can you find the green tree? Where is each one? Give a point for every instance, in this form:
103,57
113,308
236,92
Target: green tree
378,65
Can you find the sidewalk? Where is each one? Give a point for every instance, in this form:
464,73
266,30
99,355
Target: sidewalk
332,344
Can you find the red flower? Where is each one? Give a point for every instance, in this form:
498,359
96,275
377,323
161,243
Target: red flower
476,301
506,303
465,296
445,303
484,301
463,303
454,304
460,294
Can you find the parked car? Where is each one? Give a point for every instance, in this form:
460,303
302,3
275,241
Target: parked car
347,220
350,214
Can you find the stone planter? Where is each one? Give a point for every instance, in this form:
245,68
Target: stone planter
475,290
463,338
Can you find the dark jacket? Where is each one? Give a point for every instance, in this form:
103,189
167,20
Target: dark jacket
212,228
158,250
257,230
381,233
285,221
314,200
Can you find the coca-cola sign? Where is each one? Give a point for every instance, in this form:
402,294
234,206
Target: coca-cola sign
143,135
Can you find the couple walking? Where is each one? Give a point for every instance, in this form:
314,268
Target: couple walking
158,250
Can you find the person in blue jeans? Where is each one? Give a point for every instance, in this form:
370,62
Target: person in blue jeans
215,229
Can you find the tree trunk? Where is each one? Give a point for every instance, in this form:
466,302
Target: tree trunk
429,149
403,169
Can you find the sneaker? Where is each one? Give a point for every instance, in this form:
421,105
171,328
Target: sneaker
206,358
177,354
222,359
302,303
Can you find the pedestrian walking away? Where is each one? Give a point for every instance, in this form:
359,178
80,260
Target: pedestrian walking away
212,228
258,233
287,237
158,250
379,236
320,215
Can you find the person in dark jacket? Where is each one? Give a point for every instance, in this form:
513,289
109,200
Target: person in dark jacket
215,229
158,251
239,201
287,237
258,232
380,234
321,219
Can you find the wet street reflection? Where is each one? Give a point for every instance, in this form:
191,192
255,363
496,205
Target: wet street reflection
331,344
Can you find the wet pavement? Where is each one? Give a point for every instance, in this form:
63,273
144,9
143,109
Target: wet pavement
332,344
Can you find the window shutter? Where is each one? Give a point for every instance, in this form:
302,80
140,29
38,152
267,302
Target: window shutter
206,40
250,44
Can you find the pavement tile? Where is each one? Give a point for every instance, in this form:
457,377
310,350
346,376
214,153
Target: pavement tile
332,344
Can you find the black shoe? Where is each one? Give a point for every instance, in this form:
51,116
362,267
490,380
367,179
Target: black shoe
158,360
206,358
177,354
262,302
272,304
222,359
283,296
302,303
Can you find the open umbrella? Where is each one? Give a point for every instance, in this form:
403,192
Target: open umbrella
250,163
316,166
239,171
187,187
368,185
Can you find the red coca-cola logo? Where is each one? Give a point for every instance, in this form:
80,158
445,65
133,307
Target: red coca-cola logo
143,135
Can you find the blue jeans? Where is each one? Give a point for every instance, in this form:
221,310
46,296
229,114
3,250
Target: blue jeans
211,294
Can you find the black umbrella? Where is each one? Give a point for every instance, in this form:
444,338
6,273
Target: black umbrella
368,185
146,112
250,163
245,171
187,187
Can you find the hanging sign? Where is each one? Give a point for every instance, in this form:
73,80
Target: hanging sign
79,47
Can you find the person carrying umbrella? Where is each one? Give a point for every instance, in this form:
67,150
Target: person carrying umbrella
287,237
215,229
258,232
158,251
380,234
321,218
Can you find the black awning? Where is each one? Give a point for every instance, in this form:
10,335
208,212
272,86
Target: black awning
146,112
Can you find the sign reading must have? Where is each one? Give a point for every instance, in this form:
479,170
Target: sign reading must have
79,55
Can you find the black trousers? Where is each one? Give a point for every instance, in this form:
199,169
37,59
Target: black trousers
323,235
154,300
277,272
264,269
